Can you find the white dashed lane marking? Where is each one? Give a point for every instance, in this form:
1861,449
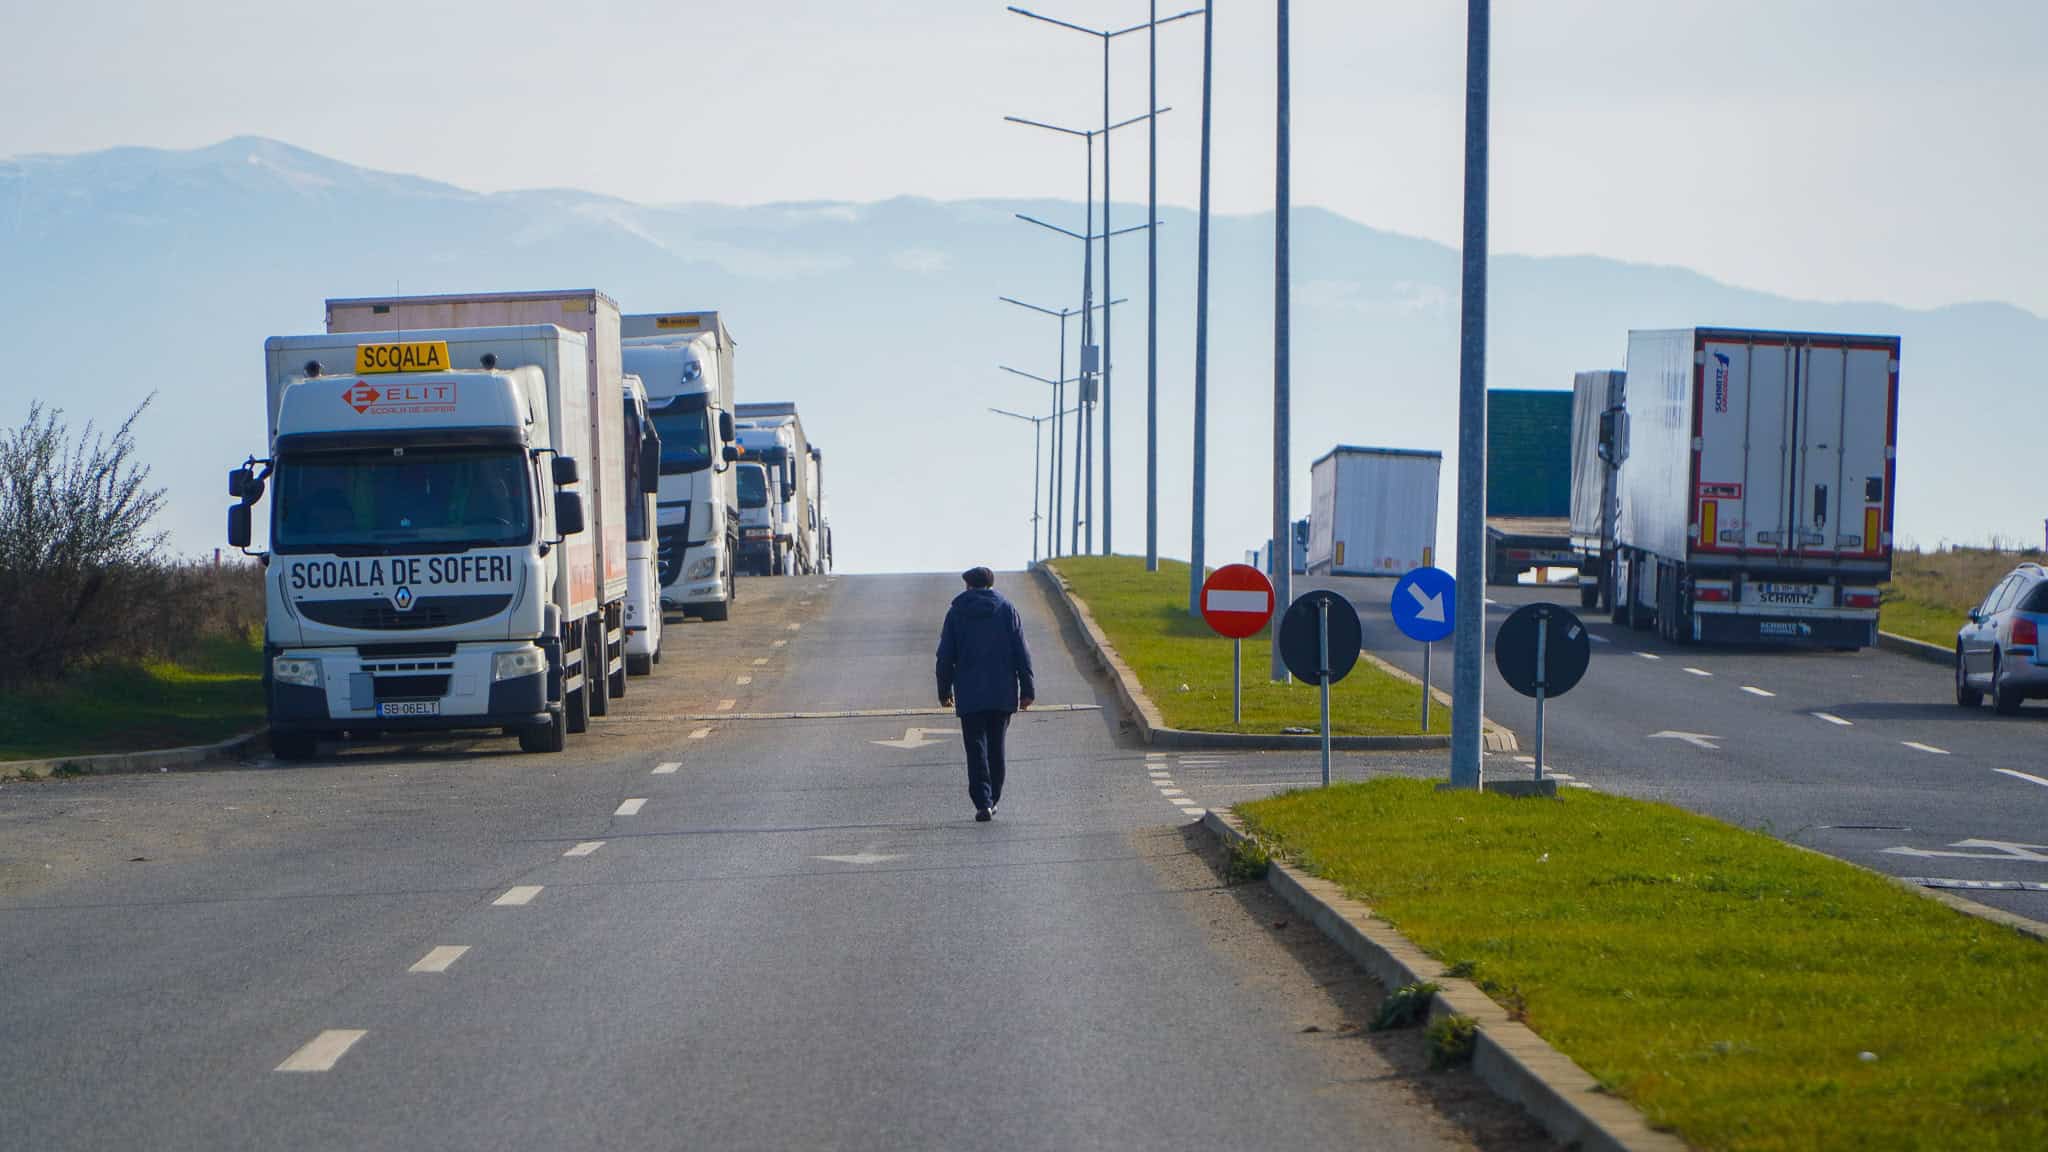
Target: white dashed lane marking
2018,775
760,661
517,896
700,733
1649,655
1831,718
1171,792
1919,747
320,1053
439,958
631,807
779,644
726,705
1699,671
666,768
1754,691
795,627
743,681
584,849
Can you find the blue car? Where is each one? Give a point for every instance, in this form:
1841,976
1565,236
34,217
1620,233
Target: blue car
1999,651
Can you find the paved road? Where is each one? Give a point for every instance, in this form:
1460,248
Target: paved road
707,925
1856,754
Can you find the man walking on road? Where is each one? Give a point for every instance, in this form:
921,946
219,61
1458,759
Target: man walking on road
984,675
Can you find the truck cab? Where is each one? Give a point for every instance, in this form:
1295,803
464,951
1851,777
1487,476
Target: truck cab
760,519
686,361
642,457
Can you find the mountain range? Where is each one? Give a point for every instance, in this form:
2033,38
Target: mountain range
134,272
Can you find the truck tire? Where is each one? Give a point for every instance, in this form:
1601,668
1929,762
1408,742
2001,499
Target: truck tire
1589,596
597,675
552,736
617,687
719,611
2005,699
1966,696
639,665
1617,594
1639,618
576,703
293,746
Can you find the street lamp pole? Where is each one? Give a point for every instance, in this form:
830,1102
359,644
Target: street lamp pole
1198,541
1283,535
1059,410
1152,297
1060,498
1036,451
1468,682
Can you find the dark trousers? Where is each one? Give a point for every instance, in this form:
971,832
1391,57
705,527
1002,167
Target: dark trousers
984,732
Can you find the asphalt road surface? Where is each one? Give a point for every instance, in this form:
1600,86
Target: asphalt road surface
720,920
1861,755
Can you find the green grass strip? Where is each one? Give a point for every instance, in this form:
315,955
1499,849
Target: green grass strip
1145,616
1727,984
211,696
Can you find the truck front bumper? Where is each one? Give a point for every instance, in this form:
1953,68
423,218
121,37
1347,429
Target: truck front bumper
390,693
1745,624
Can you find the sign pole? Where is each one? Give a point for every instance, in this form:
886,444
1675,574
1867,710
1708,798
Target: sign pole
1542,639
1236,683
1425,686
1323,678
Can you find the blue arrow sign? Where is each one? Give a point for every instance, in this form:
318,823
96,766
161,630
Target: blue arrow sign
1425,606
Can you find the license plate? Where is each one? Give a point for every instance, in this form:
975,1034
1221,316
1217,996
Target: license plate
409,708
1805,595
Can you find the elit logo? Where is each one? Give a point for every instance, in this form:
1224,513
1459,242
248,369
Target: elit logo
1720,382
402,599
360,396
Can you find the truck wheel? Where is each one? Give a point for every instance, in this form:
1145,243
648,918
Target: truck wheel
638,665
597,676
2005,698
549,737
1966,696
293,745
1617,595
1639,618
719,611
618,681
576,704
1589,596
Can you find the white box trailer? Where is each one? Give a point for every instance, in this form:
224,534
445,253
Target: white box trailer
1596,404
596,316
1372,511
1757,484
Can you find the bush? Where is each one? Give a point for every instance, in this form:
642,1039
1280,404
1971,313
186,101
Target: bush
81,578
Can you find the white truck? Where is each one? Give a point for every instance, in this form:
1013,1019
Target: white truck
643,616
686,360
772,434
428,565
760,517
1372,511
1596,407
1756,485
593,314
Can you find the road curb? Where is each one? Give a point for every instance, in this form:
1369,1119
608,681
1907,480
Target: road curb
1518,1065
1144,715
116,763
1917,649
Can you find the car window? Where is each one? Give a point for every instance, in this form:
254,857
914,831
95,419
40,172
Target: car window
2037,600
1990,603
2002,599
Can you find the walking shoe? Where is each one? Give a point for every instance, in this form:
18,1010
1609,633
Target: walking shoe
993,808
982,815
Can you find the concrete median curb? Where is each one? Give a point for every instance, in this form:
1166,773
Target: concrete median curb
1144,715
1917,649
115,763
1518,1065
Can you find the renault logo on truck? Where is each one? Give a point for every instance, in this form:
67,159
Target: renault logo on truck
402,599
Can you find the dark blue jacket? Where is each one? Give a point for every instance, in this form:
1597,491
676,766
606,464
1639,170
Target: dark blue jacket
983,663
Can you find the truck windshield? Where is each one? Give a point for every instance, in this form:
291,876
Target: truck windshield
684,426
753,488
427,499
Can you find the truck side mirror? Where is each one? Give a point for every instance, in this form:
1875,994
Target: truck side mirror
731,454
565,471
725,430
238,479
568,511
650,465
238,526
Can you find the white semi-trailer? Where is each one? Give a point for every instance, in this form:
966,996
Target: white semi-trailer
686,360
1596,404
593,314
1372,511
772,435
1757,485
643,573
428,567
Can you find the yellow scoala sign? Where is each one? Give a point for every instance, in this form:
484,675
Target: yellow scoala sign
416,356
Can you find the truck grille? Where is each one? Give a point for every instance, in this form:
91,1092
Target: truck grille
377,615
670,544
411,687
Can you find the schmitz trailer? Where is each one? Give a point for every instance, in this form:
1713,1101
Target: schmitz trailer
428,565
1757,486
643,574
686,360
773,435
1596,405
593,314
1372,511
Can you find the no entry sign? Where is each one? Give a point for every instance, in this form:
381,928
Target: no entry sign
1237,600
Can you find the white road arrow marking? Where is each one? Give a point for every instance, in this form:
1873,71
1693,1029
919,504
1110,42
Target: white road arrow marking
915,738
2018,775
1999,850
1696,739
1432,608
869,856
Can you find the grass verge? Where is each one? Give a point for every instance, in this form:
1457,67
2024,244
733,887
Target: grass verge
1185,668
122,707
1742,992
1931,593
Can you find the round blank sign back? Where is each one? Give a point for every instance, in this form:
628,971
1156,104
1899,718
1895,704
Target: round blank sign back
1566,649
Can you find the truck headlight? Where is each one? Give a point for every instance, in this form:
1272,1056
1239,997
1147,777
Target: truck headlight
517,663
701,568
304,673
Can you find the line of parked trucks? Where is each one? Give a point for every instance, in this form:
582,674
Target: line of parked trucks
1729,485
484,506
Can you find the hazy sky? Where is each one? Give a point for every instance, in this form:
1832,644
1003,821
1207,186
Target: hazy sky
1851,149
